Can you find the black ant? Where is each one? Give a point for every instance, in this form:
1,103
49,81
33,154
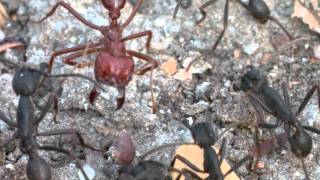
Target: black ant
205,137
145,169
258,9
261,95
25,83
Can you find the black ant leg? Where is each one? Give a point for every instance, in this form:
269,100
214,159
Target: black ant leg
187,163
238,164
307,98
5,119
187,171
254,98
305,169
222,150
281,26
258,104
7,141
45,110
311,129
286,97
68,131
203,12
68,153
225,25
176,8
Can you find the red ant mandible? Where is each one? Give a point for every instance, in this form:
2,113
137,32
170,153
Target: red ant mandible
114,64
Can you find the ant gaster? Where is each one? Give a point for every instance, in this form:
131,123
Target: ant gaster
25,83
114,64
261,95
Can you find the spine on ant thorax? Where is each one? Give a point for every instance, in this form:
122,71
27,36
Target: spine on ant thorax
25,116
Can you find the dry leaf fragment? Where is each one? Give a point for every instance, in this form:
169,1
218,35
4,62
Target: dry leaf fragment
170,66
194,154
3,15
310,17
183,75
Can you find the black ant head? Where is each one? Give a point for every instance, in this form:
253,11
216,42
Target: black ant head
37,167
25,81
300,143
184,3
114,7
203,134
259,10
252,79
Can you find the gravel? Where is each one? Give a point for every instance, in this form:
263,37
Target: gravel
207,97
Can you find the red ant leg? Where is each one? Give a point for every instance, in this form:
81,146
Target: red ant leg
68,50
69,59
73,12
121,97
93,95
133,13
148,67
140,34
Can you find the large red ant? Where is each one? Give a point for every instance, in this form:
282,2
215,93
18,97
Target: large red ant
114,64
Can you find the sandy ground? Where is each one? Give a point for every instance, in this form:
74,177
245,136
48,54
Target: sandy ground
209,96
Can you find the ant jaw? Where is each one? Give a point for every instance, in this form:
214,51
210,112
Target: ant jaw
300,143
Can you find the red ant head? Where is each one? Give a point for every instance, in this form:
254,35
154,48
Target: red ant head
114,7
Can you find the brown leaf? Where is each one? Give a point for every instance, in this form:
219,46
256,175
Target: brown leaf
3,15
183,75
170,66
309,16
